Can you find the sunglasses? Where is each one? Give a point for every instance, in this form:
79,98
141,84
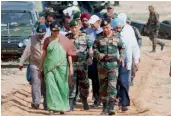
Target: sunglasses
55,30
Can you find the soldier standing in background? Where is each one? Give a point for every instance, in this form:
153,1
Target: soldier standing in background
110,12
80,65
153,25
106,49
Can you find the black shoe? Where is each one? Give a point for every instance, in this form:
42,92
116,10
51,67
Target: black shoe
111,108
61,113
162,47
35,106
153,51
85,104
124,108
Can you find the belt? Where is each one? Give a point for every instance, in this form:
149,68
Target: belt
109,59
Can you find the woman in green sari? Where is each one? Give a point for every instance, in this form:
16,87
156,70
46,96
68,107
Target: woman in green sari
56,64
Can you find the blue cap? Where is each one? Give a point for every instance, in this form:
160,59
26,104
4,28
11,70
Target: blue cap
115,22
41,29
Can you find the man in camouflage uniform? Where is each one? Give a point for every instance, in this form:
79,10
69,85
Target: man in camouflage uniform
110,12
80,64
106,49
153,25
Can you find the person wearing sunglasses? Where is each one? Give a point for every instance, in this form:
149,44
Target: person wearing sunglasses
33,52
56,64
48,20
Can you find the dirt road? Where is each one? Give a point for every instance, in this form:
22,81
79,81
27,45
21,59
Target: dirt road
150,95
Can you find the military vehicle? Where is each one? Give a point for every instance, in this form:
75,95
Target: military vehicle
17,21
164,31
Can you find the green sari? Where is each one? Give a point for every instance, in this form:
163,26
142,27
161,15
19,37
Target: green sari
55,69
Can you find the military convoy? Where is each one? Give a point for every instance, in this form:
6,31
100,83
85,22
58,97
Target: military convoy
18,19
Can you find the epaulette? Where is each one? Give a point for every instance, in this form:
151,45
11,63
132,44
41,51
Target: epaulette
68,35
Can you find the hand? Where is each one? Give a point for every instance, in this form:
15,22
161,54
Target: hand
101,56
137,67
20,68
70,81
126,68
70,71
122,61
90,61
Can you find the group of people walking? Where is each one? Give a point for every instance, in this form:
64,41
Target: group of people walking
105,49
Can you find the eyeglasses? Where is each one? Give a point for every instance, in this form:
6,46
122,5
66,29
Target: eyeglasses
49,21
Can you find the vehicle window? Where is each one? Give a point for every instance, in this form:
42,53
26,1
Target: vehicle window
16,24
16,19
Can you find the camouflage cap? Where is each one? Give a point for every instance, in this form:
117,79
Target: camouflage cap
128,19
41,29
73,23
77,15
105,22
109,6
149,7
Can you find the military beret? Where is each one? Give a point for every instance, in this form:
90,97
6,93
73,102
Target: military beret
41,29
73,23
77,15
105,22
54,26
150,7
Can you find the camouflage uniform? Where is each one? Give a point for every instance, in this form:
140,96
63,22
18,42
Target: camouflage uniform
113,16
80,66
108,66
153,25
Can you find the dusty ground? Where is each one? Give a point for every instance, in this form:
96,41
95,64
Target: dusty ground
150,95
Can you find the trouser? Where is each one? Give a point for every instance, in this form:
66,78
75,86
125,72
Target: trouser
36,85
43,90
153,37
93,75
133,72
108,81
123,86
80,73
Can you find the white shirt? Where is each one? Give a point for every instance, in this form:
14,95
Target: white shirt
128,37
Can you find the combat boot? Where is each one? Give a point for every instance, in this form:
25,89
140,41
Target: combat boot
154,49
85,104
71,103
105,108
162,46
111,108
